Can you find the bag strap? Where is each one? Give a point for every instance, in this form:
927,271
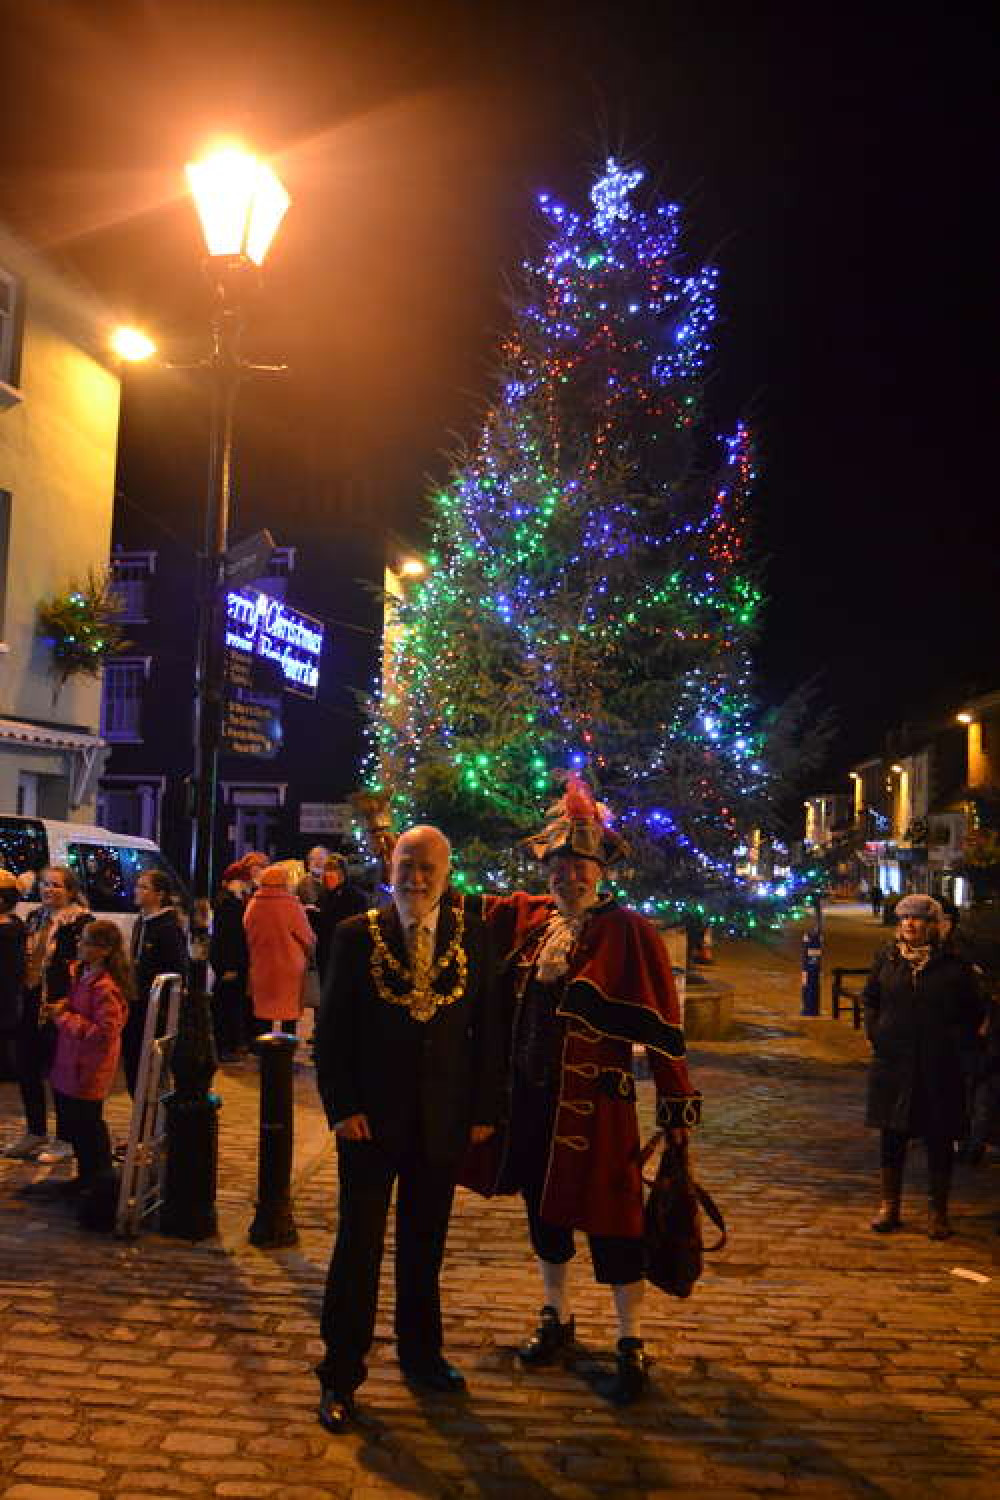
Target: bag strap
705,1199
713,1211
647,1152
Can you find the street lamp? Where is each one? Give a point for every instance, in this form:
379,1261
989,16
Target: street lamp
240,202
131,344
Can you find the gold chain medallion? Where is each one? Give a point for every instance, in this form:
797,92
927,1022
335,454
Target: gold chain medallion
422,1000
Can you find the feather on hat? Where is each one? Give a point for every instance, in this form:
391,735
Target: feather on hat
578,825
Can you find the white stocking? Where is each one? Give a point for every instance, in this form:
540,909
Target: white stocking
628,1302
555,1280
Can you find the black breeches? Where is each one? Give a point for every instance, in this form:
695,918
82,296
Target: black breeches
617,1259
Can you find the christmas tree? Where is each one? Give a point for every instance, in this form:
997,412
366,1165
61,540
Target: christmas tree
588,604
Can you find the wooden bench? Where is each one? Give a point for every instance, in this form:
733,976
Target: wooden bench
843,992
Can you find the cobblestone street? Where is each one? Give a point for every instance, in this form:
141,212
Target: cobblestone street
814,1359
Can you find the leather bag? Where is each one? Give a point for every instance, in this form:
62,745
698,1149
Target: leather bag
672,1235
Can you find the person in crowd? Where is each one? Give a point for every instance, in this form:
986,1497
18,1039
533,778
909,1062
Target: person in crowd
231,965
311,884
280,944
876,897
89,1020
584,980
255,863
923,1007
337,900
12,954
409,1064
53,932
977,1063
984,1128
159,946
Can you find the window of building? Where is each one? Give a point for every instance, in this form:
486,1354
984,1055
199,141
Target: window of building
10,334
131,804
121,699
5,509
254,816
27,794
130,576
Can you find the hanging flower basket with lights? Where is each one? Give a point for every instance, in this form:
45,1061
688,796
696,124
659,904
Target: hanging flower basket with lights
82,627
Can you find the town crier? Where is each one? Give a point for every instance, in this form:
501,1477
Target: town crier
584,980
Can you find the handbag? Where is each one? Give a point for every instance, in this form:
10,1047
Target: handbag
672,1221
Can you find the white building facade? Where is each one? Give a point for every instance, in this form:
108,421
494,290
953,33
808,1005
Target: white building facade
59,406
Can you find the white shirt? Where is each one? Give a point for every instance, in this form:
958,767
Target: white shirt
429,923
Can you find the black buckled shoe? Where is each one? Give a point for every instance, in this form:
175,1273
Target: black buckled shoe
434,1374
337,1413
632,1376
549,1339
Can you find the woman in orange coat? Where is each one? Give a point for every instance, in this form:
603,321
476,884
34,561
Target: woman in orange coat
280,942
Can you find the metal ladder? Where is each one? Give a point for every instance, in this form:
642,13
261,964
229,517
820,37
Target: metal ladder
141,1190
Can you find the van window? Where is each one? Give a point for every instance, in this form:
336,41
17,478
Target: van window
23,845
109,873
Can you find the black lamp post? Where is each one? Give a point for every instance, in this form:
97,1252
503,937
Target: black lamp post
241,202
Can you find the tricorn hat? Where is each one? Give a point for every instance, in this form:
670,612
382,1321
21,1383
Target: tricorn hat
578,826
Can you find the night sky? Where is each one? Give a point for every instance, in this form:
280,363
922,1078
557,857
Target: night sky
837,162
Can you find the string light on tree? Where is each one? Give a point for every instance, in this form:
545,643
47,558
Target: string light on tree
590,603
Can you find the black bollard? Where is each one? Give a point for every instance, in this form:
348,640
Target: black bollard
273,1224
188,1208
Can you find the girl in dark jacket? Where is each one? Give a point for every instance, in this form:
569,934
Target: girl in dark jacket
159,946
923,1006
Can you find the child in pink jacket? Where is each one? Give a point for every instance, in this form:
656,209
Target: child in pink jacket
89,1023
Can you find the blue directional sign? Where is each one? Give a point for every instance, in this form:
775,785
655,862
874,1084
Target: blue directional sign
275,632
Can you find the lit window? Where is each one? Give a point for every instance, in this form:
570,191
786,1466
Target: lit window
121,699
130,575
10,333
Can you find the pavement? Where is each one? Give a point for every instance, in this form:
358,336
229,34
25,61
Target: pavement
814,1359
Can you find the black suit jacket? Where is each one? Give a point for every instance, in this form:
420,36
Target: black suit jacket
427,1081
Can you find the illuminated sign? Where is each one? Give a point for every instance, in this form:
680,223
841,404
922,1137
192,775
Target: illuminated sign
271,630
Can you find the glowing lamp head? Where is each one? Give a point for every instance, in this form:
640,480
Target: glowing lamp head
412,567
241,201
896,770
132,344
964,718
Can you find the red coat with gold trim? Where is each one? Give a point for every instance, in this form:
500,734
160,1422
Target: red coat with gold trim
619,993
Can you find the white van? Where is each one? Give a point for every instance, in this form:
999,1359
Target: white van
107,864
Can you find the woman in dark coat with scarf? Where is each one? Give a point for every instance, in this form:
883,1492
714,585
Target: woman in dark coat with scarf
923,1007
